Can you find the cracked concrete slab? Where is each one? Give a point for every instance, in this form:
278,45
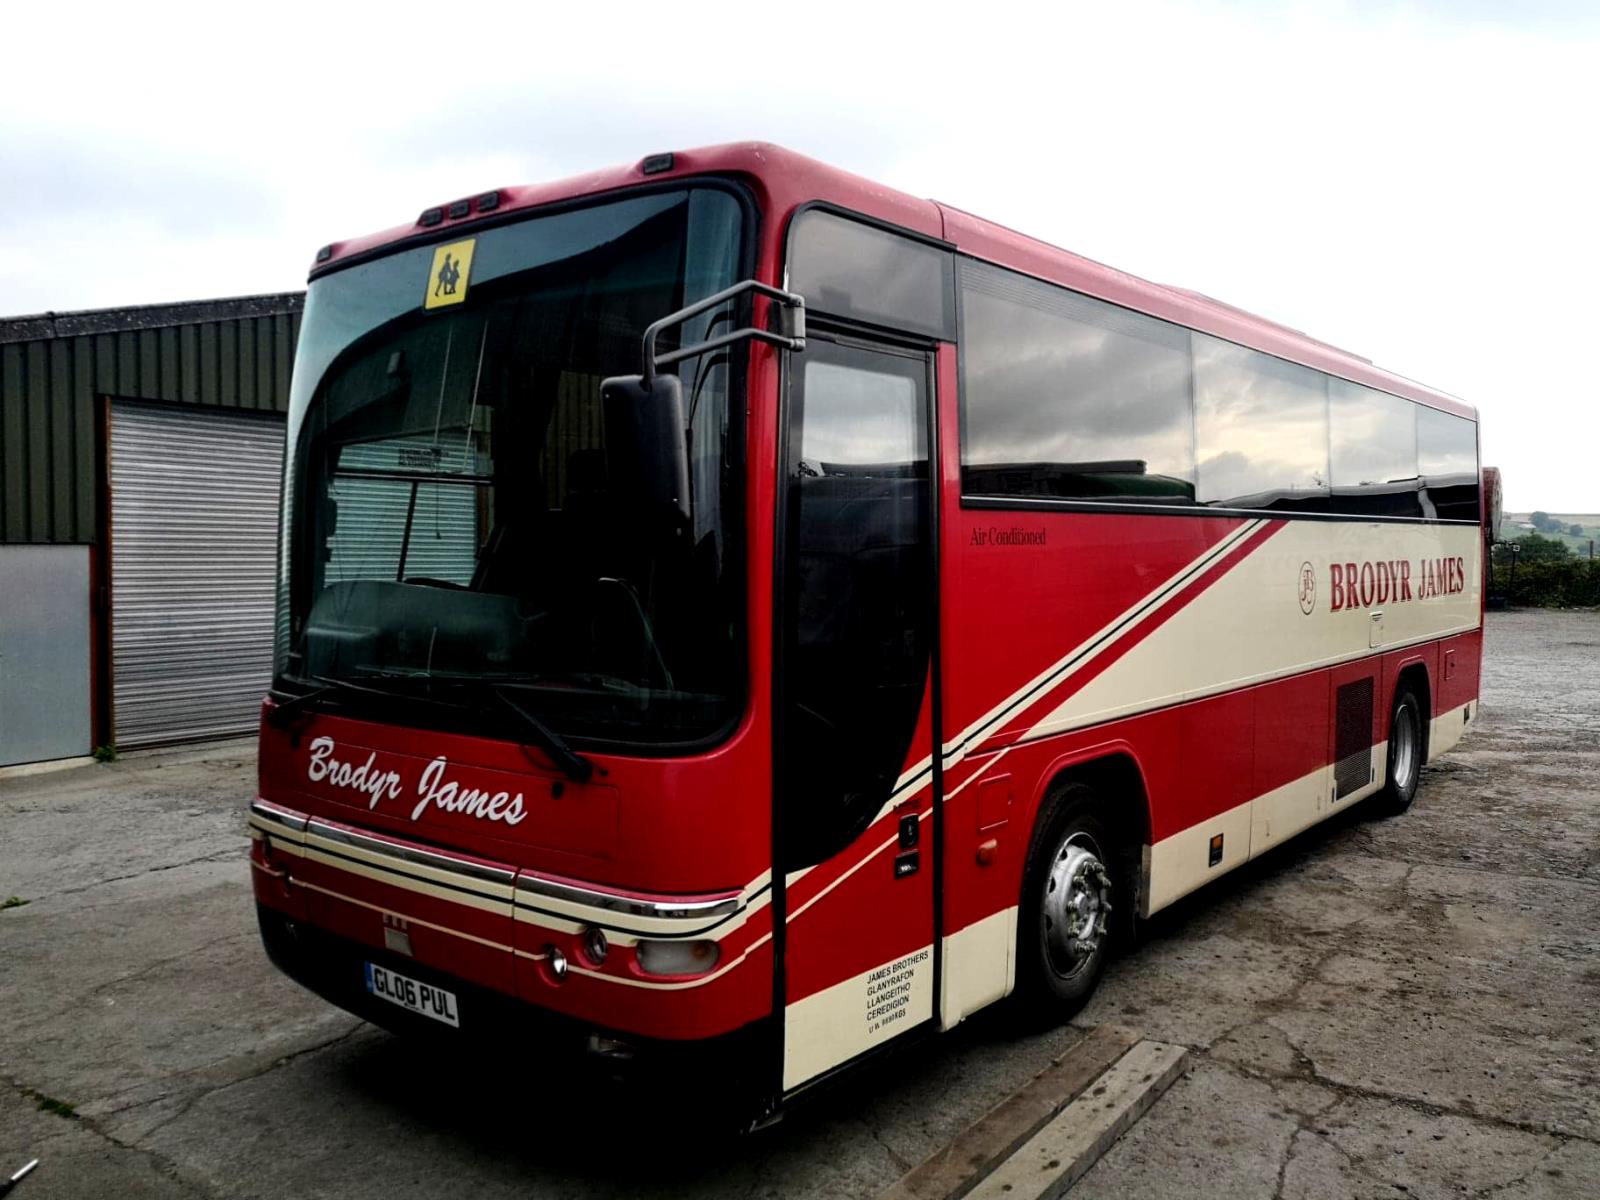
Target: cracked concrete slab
371,1114
1428,1156
1394,1008
76,1161
157,989
1571,1169
76,829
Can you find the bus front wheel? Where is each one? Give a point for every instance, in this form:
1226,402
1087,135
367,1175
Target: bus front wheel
1070,893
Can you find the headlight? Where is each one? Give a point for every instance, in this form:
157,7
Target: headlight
677,958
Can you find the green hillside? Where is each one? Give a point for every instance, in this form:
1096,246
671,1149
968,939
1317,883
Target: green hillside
1515,525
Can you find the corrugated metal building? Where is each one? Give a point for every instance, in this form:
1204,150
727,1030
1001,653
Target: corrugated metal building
140,453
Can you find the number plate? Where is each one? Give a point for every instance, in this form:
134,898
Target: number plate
412,994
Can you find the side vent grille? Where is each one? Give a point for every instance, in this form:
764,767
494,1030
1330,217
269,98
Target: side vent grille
1352,746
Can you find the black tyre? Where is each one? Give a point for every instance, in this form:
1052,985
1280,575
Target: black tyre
1075,892
1407,747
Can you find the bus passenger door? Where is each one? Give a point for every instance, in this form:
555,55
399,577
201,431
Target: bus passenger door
854,775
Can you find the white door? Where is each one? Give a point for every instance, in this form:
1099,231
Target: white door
44,653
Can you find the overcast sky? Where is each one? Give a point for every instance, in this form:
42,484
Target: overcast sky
1415,182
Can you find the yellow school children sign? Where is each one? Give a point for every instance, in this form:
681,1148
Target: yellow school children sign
447,279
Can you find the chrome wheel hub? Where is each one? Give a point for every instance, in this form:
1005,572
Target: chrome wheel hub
1077,906
1405,747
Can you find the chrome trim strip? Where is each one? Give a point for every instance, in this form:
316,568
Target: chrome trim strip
526,890
274,815
413,854
685,908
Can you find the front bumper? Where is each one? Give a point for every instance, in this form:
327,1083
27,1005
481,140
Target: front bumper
731,1076
497,926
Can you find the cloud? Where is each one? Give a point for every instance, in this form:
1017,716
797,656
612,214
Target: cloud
80,180
1412,180
571,126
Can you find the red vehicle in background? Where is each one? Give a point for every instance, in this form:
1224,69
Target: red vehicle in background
929,605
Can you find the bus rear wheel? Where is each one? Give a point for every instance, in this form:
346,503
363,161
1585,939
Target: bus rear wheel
1071,899
1404,769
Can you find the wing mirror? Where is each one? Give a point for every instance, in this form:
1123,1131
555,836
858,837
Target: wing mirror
648,454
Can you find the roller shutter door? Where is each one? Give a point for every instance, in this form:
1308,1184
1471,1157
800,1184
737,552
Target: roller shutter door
372,515
194,521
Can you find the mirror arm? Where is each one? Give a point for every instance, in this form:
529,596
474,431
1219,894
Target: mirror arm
727,339
793,339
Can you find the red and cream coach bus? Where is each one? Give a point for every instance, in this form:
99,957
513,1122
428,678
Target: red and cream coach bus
734,616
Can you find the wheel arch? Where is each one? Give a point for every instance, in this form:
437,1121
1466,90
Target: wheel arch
1114,771
1414,674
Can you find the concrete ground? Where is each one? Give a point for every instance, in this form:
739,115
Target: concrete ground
1383,1008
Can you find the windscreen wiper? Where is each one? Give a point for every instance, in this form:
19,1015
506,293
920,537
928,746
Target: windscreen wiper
283,709
574,765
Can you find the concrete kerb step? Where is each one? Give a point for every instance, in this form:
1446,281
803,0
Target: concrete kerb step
177,752
1042,1138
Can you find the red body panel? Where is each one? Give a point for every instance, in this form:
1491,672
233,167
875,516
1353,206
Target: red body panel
1292,719
675,840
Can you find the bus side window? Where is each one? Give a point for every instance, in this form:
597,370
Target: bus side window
1067,397
1261,426
1374,450
855,270
1447,460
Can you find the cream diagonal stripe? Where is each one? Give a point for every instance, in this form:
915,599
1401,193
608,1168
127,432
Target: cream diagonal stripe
1080,655
861,862
1053,676
1185,658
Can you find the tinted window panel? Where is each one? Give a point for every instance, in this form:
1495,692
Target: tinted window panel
1373,438
1067,396
851,269
1447,458
1261,426
857,418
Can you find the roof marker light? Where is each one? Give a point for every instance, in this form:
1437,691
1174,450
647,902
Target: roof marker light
488,202
431,216
459,209
655,164
325,254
